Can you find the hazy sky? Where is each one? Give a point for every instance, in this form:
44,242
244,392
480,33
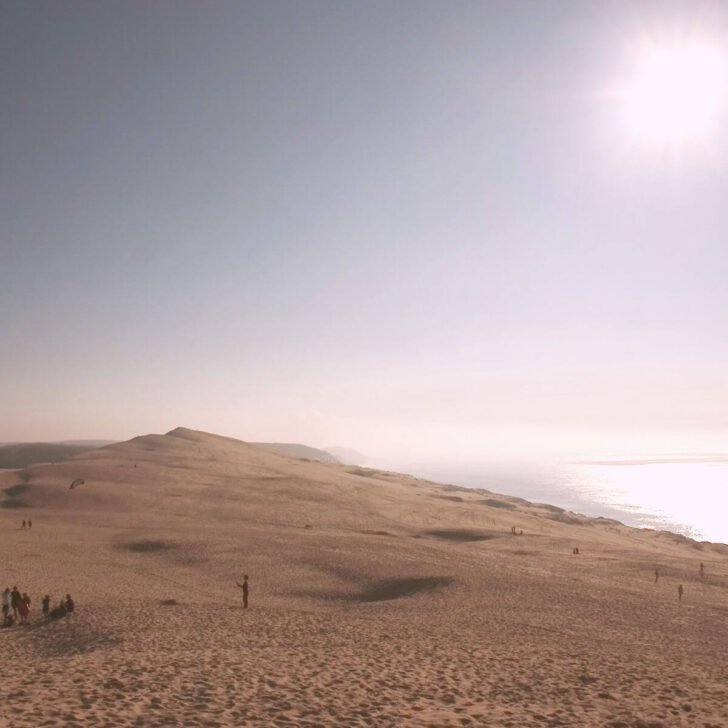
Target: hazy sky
405,227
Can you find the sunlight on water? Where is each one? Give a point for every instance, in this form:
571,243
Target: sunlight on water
691,498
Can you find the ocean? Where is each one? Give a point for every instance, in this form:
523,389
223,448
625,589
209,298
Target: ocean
686,495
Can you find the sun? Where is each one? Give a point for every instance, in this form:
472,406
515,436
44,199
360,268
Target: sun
676,94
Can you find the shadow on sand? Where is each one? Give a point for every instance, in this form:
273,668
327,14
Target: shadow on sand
460,534
145,547
388,589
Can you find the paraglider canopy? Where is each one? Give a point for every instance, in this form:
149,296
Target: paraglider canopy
78,481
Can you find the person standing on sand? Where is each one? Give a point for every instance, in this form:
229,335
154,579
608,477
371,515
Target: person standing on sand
657,575
70,605
30,523
702,570
244,587
6,602
679,592
24,608
23,524
14,601
46,604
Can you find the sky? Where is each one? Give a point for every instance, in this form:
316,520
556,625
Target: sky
406,227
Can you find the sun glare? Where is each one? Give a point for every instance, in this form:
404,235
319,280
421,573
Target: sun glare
677,94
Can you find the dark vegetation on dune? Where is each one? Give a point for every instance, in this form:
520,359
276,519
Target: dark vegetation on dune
549,507
495,503
570,520
449,487
14,503
512,499
13,496
365,472
678,538
561,515
15,490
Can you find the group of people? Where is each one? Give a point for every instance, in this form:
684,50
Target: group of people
16,607
64,607
29,523
18,603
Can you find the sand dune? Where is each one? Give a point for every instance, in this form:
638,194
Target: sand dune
377,599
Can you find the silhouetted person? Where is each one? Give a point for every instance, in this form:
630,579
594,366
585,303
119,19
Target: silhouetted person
24,608
6,602
679,592
702,570
70,606
23,524
657,575
14,601
58,612
244,587
46,604
30,523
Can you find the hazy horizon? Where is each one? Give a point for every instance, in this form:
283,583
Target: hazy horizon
406,228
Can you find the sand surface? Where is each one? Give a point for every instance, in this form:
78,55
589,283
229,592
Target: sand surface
376,599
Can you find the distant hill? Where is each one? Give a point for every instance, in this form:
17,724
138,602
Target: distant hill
299,451
89,444
22,454
348,455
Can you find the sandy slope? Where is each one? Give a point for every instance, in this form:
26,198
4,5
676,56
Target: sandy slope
376,600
